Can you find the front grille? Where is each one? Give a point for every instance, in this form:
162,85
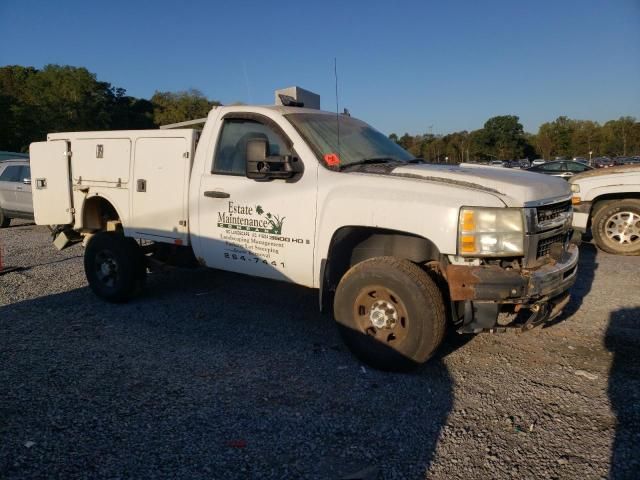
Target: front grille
551,212
544,245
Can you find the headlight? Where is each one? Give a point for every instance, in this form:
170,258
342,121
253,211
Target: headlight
491,232
575,188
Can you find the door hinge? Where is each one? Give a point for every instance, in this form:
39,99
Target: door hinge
182,223
67,154
185,155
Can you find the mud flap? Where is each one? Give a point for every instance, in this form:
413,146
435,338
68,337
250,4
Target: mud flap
65,238
479,317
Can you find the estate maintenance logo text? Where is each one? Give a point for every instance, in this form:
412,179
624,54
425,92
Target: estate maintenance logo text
251,219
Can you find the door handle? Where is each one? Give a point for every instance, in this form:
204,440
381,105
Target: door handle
216,194
18,188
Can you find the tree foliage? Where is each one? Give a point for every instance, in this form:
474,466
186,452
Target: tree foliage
504,138
174,107
63,98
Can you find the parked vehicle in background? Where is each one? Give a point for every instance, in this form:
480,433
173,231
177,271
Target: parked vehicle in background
607,202
513,164
626,160
538,161
497,163
581,160
12,155
394,245
564,169
15,191
603,162
524,164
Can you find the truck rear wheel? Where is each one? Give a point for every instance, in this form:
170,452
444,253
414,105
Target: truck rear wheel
616,227
114,266
390,313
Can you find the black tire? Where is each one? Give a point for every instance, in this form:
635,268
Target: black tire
4,220
406,304
616,226
114,266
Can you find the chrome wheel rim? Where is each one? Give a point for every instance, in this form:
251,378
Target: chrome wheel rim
382,314
623,228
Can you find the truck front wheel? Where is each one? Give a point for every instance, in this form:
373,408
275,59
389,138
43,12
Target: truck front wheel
616,227
114,266
390,313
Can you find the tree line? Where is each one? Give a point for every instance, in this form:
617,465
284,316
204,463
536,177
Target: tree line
56,98
34,102
503,138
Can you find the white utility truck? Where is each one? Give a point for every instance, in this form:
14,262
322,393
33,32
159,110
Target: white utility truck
398,248
607,202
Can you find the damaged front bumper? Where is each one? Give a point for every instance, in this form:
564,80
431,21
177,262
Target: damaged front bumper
485,290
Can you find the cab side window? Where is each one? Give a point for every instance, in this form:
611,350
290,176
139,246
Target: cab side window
231,152
11,174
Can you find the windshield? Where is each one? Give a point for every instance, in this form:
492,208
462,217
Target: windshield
358,142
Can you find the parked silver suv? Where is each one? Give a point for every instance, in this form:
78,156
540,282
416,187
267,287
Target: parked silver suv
15,191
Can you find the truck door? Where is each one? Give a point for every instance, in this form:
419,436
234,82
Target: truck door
261,228
51,184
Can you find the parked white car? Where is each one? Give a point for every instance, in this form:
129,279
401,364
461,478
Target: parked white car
608,203
15,191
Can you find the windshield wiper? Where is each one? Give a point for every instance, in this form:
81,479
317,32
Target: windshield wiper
369,161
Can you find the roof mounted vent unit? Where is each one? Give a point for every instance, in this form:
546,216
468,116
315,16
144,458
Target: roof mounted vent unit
297,97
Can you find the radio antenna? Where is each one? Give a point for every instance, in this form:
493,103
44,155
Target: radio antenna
335,73
246,79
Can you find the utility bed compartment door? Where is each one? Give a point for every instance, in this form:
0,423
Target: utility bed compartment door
104,160
50,182
160,189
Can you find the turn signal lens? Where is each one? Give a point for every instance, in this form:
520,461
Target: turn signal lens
468,223
468,243
497,232
576,200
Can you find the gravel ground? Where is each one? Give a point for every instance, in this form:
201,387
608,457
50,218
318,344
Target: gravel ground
215,375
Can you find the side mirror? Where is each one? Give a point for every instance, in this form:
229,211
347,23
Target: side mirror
257,166
27,181
262,166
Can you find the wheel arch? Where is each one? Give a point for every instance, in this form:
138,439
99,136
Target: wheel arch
600,200
96,212
353,244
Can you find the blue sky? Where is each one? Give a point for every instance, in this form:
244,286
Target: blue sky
402,66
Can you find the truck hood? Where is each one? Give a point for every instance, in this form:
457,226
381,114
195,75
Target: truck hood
601,172
514,187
